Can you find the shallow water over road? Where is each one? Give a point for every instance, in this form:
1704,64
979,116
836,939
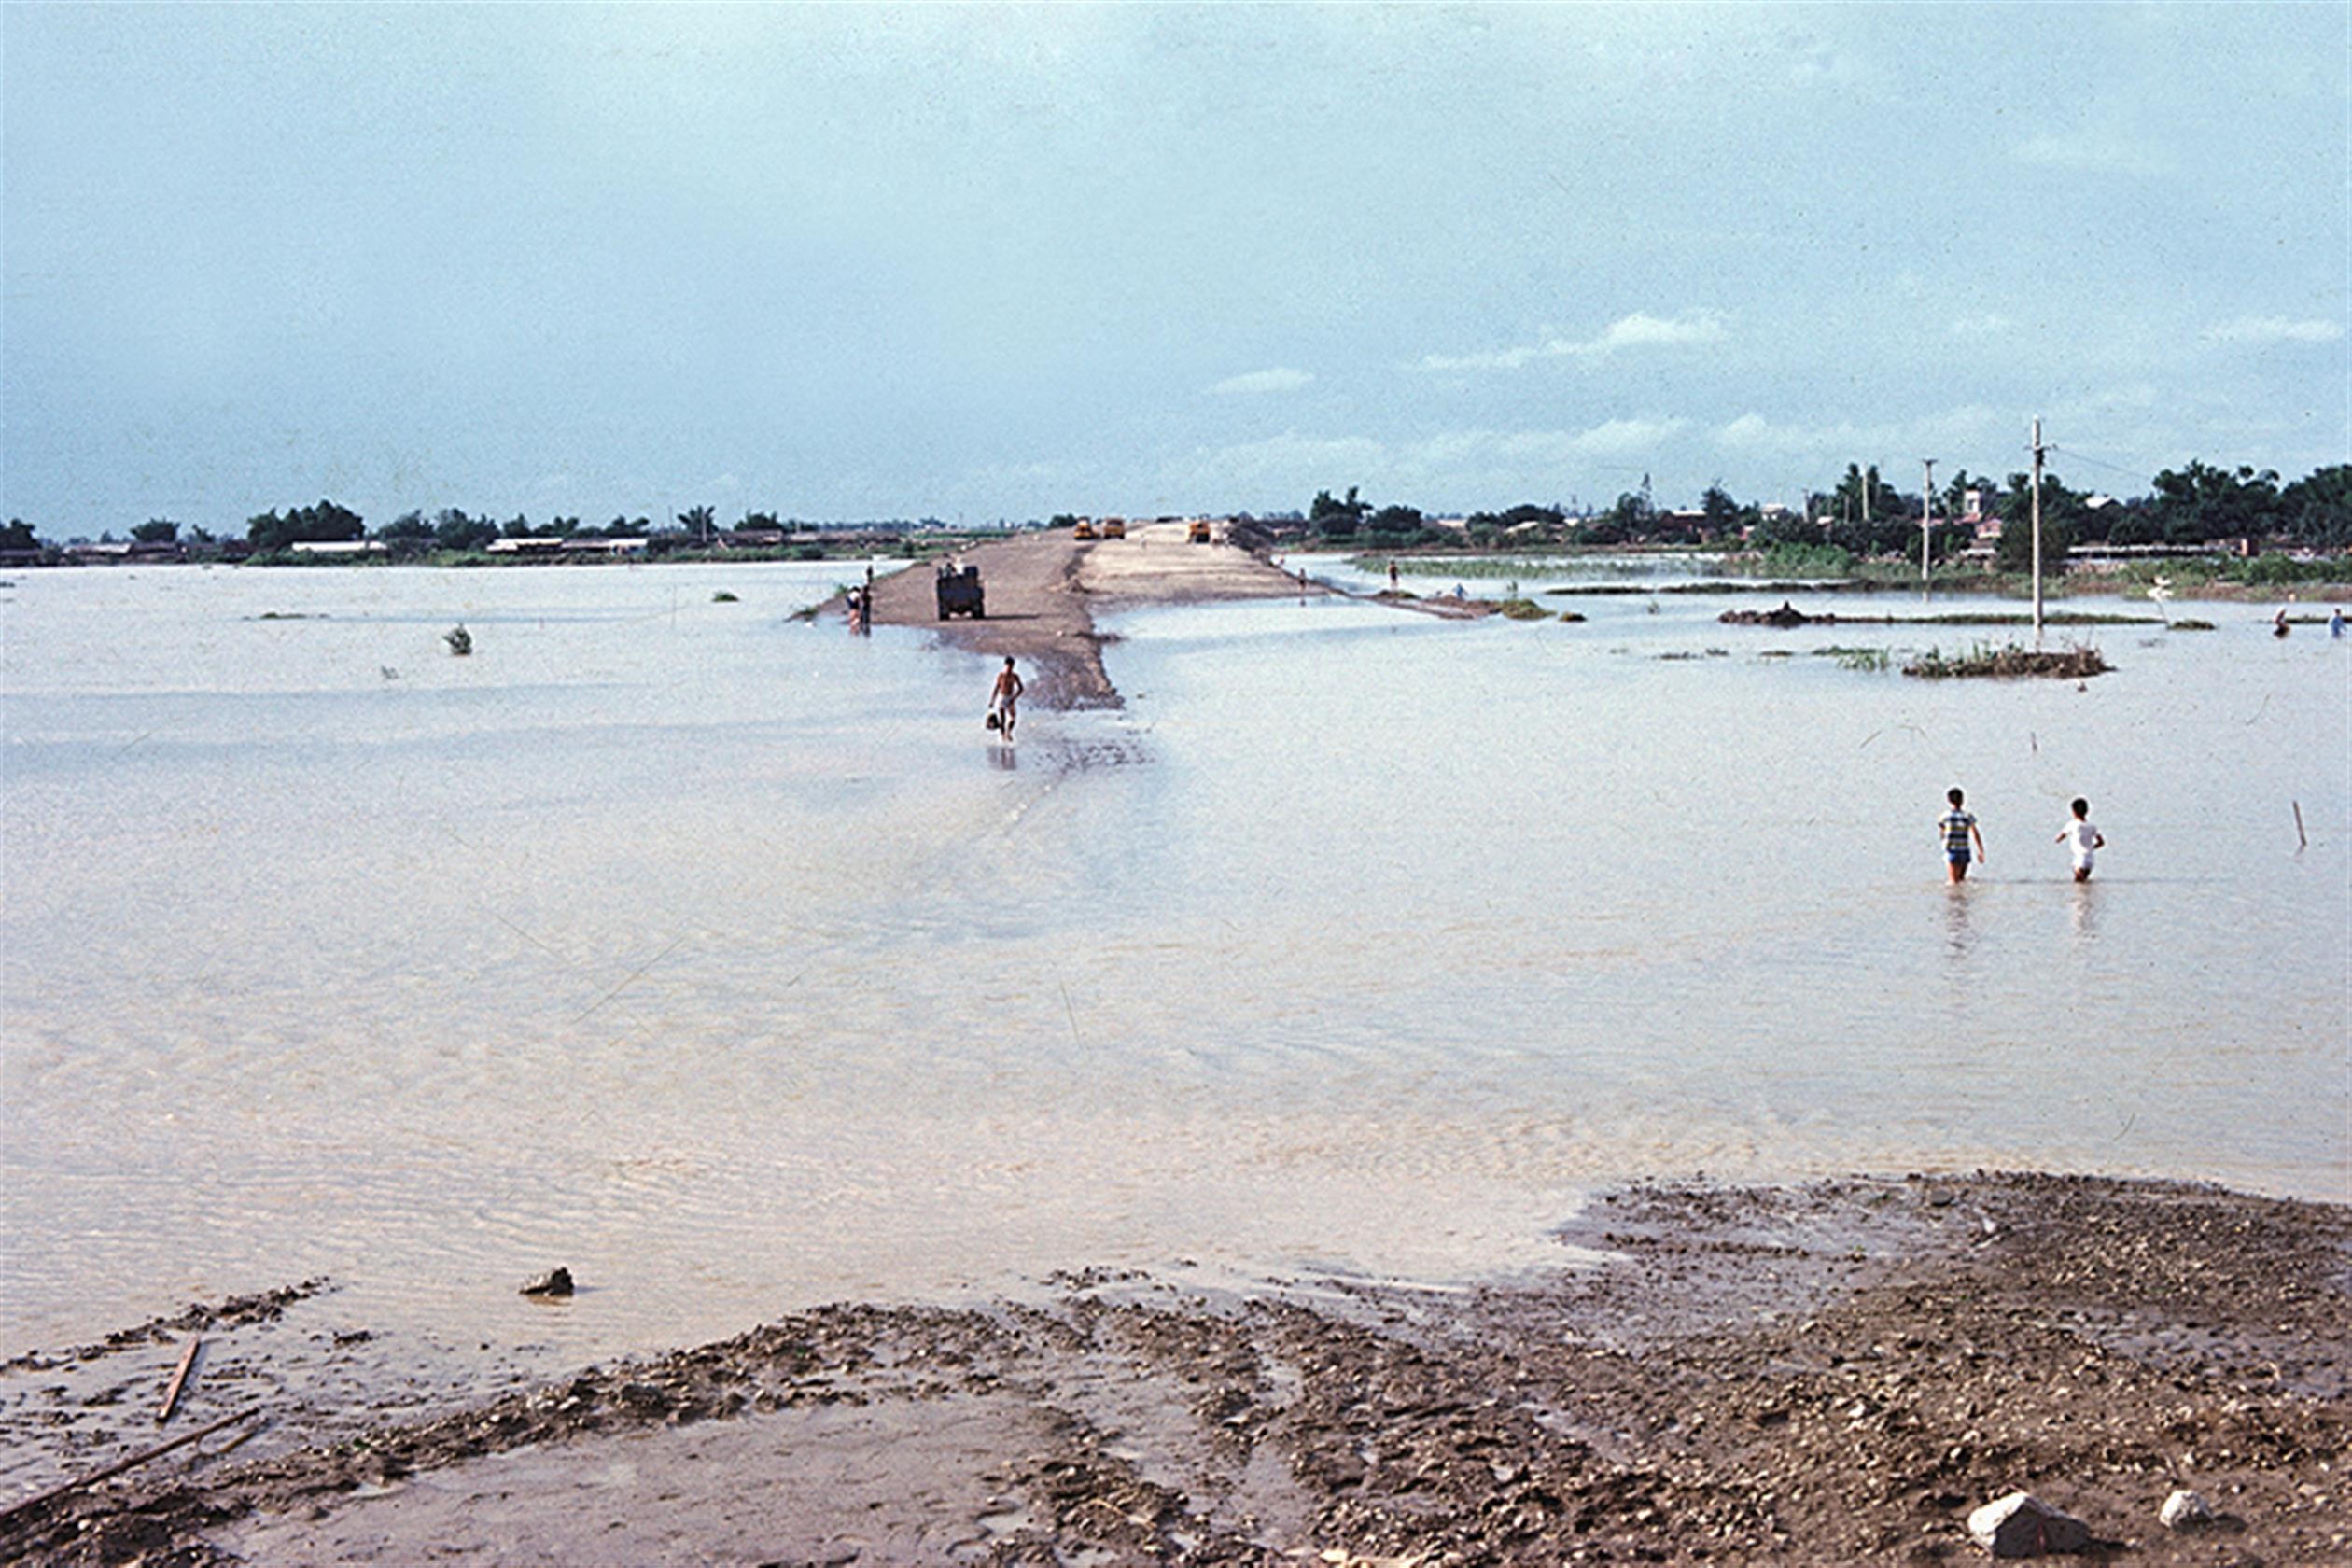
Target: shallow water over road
721,957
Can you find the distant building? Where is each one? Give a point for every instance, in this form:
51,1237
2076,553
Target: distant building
338,547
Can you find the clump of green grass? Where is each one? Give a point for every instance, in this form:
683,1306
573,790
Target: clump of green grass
1522,610
722,597
2191,624
2073,663
1857,658
1459,566
1571,615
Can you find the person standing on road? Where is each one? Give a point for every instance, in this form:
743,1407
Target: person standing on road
1004,700
1958,827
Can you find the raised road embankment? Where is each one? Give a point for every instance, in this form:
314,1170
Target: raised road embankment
1045,589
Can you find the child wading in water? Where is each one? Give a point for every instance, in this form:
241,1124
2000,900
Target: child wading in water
2086,839
1958,828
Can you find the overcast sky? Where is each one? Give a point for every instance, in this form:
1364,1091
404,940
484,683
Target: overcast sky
981,263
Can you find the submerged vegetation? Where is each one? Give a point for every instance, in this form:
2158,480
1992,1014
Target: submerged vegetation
2011,660
1522,610
1857,658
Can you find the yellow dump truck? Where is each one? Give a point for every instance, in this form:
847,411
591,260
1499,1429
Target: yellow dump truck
1084,530
1114,527
1197,532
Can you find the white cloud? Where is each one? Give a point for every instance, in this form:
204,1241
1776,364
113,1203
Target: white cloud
1449,468
2274,330
1280,379
1625,437
2100,151
1639,330
1968,434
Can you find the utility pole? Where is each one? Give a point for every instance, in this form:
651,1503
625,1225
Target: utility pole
1927,518
2038,470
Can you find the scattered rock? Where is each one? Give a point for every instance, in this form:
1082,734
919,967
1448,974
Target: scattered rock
555,1282
2023,1525
2185,1510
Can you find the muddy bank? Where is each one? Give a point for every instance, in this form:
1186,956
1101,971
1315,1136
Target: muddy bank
1836,1372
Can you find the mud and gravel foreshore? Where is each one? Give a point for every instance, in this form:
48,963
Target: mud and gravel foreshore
1836,1372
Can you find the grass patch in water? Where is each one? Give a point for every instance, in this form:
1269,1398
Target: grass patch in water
1522,610
722,597
2058,617
2008,662
2191,624
1464,565
1857,658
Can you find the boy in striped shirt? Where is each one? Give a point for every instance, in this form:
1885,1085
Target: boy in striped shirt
1958,827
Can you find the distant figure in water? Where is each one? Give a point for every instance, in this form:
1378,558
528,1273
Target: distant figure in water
2085,838
1958,827
2335,623
1005,701
2278,623
1391,577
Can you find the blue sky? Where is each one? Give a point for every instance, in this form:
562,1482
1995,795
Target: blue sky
847,262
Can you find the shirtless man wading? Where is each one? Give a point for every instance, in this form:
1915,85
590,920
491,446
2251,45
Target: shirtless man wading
1005,698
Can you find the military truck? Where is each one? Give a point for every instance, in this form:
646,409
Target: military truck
959,594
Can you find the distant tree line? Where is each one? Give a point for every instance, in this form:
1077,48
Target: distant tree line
450,530
2194,506
1861,514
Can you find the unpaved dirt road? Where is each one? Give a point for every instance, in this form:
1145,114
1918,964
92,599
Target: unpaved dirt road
1045,589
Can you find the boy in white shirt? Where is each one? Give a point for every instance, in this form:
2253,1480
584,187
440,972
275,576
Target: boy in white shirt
2085,838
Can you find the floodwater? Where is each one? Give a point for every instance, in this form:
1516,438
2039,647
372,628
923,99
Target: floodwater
722,957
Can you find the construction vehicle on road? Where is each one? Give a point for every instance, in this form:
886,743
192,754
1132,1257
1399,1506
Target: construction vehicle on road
959,594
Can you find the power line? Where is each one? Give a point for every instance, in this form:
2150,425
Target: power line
2099,462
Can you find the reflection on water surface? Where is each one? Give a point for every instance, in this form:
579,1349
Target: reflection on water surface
721,957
